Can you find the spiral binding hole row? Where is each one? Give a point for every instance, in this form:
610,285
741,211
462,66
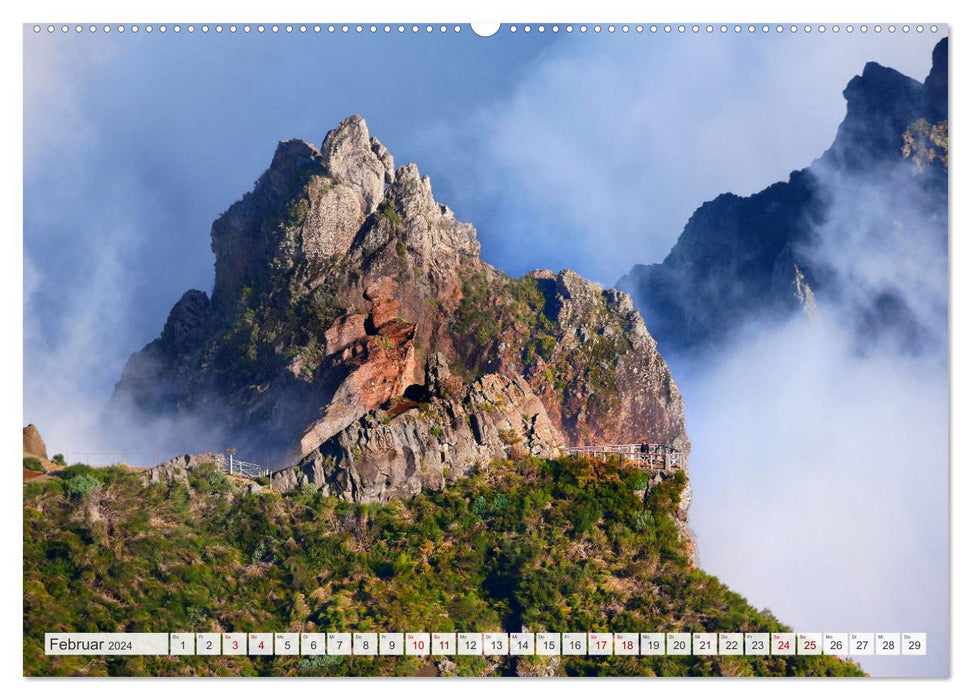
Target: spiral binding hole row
512,28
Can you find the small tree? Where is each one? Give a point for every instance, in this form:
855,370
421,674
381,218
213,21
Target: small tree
81,485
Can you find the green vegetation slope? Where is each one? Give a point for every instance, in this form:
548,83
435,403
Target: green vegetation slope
564,545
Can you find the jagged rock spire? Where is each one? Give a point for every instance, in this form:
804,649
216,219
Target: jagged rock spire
352,156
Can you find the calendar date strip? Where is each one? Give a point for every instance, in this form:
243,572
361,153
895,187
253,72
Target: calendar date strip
843,644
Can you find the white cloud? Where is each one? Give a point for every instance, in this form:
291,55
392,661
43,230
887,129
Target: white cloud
66,364
56,71
820,481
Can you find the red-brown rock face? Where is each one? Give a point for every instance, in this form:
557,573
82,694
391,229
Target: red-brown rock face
380,365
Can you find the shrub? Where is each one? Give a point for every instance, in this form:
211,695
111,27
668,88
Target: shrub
81,485
297,212
545,344
208,478
585,516
59,460
33,464
386,209
77,469
666,495
263,552
309,665
34,488
306,494
527,291
109,475
475,316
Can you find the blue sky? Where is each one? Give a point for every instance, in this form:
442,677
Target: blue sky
579,151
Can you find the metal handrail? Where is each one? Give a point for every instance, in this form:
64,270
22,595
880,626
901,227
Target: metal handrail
250,469
641,453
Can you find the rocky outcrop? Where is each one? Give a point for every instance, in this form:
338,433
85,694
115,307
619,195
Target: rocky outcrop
187,323
417,445
602,377
734,260
176,470
336,279
167,474
880,103
189,461
33,443
347,331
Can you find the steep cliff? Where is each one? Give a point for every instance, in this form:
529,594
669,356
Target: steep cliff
339,280
739,259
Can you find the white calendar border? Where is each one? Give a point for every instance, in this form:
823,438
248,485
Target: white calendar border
509,10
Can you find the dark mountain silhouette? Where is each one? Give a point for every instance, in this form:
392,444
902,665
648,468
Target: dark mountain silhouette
744,258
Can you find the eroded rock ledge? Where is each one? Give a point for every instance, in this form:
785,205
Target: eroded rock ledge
434,434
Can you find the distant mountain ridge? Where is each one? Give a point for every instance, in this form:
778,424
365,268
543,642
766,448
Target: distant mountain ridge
740,259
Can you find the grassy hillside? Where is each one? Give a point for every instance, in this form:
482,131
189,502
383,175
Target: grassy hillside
561,545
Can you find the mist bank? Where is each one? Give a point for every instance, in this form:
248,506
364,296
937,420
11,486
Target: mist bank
820,481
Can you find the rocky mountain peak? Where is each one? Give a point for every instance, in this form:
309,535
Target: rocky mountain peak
302,214
880,103
351,314
935,86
